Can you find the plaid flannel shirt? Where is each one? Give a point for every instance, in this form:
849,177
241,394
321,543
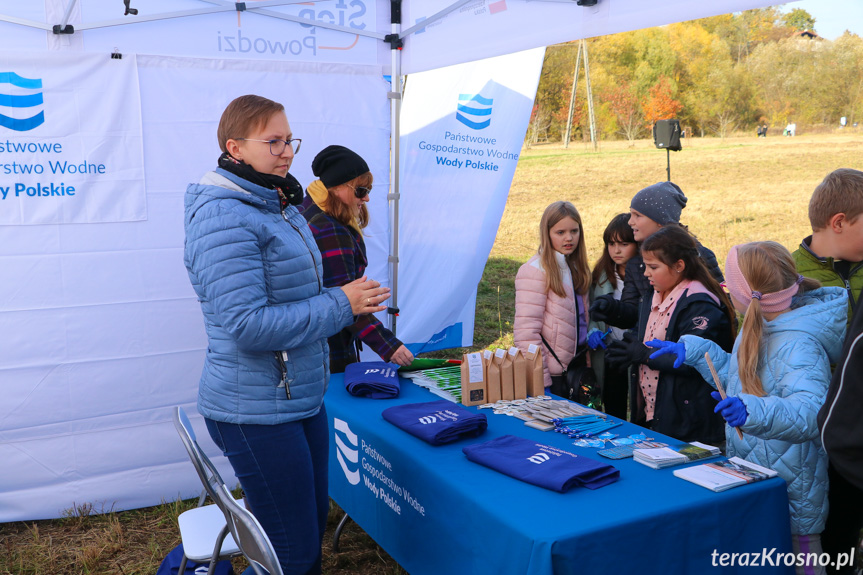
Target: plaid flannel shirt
343,253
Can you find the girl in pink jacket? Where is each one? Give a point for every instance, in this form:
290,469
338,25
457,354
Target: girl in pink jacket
545,304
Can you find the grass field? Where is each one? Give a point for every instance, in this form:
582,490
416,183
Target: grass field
739,189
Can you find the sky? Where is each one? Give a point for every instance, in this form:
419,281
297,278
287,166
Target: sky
832,17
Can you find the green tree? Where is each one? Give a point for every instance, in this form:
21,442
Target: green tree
799,19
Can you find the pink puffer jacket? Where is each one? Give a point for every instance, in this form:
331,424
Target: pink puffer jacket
539,310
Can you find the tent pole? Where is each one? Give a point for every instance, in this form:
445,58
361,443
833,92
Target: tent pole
395,96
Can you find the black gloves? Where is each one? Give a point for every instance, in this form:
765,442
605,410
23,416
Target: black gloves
628,351
604,308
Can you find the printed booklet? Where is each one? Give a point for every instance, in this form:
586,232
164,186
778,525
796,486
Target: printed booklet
723,475
661,457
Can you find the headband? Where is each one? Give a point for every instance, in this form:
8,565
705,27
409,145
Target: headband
740,290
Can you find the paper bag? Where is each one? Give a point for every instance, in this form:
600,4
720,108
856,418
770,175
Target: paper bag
535,380
519,373
507,391
492,378
472,379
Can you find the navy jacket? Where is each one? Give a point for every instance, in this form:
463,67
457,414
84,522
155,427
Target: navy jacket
684,408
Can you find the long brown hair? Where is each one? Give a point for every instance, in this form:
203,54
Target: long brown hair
768,268
617,230
672,243
343,212
577,260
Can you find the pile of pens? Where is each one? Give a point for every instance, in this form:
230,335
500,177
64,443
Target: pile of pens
580,426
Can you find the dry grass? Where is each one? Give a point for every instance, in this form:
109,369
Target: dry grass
739,189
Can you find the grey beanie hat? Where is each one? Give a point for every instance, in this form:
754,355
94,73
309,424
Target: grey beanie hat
660,202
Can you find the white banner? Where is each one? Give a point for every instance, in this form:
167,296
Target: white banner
71,145
463,129
101,331
258,33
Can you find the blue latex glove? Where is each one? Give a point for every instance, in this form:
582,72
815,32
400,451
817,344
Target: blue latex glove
596,339
665,347
731,408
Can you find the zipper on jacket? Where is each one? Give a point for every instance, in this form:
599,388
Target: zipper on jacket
314,265
282,358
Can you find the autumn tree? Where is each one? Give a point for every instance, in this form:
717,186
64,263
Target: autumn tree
799,19
660,103
626,107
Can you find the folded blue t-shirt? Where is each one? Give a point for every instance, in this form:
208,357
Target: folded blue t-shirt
375,379
540,464
436,422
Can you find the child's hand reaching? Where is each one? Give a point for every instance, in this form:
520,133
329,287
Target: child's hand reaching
731,408
665,347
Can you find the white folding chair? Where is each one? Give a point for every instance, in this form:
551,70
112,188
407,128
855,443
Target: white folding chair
204,529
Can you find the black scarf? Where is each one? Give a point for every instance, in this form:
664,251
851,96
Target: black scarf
289,189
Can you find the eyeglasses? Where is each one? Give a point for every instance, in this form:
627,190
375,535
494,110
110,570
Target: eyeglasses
277,147
361,191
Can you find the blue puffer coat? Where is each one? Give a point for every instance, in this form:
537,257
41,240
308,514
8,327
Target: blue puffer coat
258,276
781,431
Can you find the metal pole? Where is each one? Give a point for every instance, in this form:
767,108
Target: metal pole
572,98
668,166
591,116
395,96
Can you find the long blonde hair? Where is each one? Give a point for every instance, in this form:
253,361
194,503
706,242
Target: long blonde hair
577,260
768,268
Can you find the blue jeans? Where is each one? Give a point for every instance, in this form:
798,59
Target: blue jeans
283,472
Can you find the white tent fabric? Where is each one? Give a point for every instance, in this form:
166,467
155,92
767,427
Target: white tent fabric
101,331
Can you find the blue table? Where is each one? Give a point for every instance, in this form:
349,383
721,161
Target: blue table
436,512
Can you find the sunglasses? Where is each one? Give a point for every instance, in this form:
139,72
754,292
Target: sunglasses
361,191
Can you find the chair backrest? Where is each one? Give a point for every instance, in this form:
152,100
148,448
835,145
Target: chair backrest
206,470
249,535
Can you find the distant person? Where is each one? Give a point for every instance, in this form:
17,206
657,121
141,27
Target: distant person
686,299
335,207
551,293
651,208
607,278
833,255
256,270
776,378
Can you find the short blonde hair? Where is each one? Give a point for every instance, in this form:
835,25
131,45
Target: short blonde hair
840,192
245,115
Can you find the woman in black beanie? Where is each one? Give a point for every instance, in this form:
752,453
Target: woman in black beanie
335,207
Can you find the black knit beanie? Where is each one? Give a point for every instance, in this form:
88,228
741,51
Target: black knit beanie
336,165
660,202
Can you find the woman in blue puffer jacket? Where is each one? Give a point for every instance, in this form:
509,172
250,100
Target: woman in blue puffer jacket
257,272
776,377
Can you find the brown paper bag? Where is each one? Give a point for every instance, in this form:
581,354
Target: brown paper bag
492,378
535,381
472,379
507,391
519,373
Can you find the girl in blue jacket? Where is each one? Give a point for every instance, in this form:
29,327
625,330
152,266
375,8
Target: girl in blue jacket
257,273
776,377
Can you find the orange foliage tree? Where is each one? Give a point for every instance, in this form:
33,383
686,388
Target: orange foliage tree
659,103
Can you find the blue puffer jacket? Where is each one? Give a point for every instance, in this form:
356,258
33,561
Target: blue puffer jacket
781,431
258,276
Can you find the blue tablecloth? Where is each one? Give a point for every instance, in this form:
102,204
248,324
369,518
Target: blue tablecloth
436,512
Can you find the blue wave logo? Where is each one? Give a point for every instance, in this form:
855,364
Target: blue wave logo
21,101
474,111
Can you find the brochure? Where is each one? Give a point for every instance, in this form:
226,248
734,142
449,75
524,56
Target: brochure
659,458
722,475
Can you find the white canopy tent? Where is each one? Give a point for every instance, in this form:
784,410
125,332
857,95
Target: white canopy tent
272,47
